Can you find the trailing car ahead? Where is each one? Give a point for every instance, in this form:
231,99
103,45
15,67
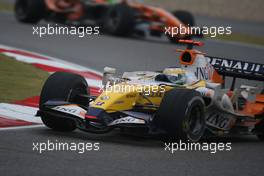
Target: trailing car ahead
185,103
122,18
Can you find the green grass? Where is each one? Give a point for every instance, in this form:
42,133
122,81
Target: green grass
19,80
6,7
243,38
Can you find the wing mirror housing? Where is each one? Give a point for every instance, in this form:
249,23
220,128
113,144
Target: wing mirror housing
108,75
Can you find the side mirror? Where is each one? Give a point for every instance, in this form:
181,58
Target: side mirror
249,92
109,70
107,75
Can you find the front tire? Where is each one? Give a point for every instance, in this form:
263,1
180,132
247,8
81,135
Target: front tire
62,86
29,11
182,115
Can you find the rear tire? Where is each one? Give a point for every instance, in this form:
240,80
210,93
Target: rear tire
261,137
260,126
63,87
181,115
29,11
260,129
186,18
120,20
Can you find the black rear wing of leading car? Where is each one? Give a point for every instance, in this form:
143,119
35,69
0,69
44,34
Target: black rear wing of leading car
237,69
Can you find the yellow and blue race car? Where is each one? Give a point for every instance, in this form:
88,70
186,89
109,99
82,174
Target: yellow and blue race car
187,103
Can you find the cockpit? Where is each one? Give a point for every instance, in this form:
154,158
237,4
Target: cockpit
172,75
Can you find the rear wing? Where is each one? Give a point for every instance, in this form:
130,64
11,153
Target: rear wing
237,69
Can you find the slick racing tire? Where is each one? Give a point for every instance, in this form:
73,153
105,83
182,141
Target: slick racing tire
62,86
182,115
29,11
119,20
186,18
260,129
260,126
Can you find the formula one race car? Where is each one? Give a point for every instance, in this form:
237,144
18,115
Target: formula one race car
122,18
187,102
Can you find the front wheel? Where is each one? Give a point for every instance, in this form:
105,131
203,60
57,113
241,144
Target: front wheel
62,86
182,115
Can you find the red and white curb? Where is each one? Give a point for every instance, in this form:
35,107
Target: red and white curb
22,113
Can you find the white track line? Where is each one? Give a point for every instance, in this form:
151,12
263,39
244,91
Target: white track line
79,67
19,112
53,62
21,127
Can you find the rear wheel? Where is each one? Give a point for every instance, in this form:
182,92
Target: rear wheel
260,126
120,20
260,129
29,11
181,115
187,19
63,87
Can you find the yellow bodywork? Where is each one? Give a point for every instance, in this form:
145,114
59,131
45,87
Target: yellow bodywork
113,99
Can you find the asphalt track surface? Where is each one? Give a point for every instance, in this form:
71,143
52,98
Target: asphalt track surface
119,154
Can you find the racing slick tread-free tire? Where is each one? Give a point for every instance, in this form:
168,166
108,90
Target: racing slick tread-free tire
29,11
260,126
119,20
62,86
186,18
260,129
182,115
